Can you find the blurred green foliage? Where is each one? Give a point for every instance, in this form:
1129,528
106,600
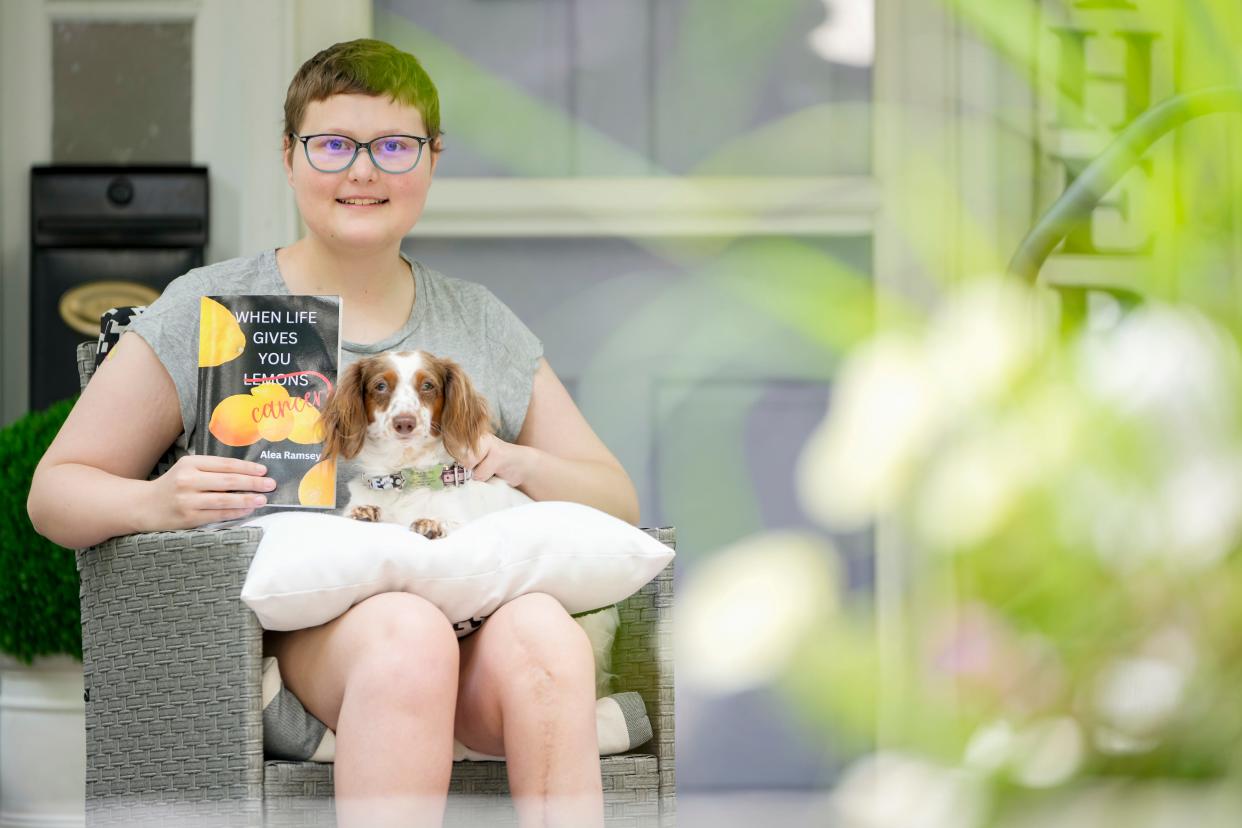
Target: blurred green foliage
39,612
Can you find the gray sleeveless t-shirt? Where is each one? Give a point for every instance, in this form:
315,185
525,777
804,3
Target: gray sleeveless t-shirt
451,318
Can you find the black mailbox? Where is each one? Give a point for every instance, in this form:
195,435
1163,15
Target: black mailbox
102,237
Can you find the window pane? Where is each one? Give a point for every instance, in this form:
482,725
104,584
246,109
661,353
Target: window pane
502,71
636,87
773,88
121,92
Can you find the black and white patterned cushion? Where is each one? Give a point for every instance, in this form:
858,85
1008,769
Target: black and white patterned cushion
113,323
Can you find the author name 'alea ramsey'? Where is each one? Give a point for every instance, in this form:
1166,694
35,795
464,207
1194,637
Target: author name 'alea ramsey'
288,455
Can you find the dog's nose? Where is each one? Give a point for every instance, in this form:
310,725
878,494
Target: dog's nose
404,424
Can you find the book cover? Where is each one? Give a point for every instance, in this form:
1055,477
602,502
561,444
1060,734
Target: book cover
265,367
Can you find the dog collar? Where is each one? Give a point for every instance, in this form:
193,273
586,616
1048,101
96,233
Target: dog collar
431,477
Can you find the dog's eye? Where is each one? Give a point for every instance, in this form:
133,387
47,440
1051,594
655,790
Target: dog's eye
427,386
381,386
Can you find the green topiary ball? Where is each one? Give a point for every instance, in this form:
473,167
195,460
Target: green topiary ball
39,612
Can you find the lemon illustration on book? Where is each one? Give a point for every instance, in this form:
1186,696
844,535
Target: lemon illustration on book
270,391
307,426
233,420
275,411
318,486
220,338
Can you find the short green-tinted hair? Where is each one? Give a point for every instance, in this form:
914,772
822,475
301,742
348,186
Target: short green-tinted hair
364,67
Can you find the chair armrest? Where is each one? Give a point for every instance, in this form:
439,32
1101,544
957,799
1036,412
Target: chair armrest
86,362
171,662
643,660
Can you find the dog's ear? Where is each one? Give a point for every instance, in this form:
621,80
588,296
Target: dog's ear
465,417
344,415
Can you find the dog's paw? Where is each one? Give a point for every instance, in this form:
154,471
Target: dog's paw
367,513
428,528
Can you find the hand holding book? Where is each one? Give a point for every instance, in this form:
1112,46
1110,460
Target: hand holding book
201,489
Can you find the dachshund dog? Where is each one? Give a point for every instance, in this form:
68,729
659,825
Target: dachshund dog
407,418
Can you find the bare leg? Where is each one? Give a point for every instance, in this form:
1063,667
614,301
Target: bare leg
383,676
527,692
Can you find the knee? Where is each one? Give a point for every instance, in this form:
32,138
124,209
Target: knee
543,643
406,650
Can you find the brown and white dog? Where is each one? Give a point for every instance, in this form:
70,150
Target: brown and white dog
407,418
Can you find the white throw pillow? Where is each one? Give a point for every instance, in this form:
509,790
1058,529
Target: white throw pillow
311,567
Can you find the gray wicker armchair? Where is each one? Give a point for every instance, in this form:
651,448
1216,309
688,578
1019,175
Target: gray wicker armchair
172,665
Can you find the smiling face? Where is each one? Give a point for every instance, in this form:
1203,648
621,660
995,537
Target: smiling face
394,202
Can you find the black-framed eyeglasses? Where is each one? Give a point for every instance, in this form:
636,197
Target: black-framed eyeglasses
389,153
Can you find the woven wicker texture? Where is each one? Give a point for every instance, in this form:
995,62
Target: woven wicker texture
172,665
86,362
643,660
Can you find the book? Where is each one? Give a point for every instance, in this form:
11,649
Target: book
266,365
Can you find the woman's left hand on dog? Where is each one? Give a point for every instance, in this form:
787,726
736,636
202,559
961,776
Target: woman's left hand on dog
493,457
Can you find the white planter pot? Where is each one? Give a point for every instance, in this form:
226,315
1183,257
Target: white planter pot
42,743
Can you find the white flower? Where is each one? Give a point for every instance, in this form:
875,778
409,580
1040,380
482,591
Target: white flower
983,477
990,747
1122,519
896,397
1202,502
1110,741
1135,697
971,488
983,339
894,790
1188,519
1171,367
743,611
885,409
1047,753
1043,754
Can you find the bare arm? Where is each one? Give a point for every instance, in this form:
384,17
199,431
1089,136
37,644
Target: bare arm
558,456
90,484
